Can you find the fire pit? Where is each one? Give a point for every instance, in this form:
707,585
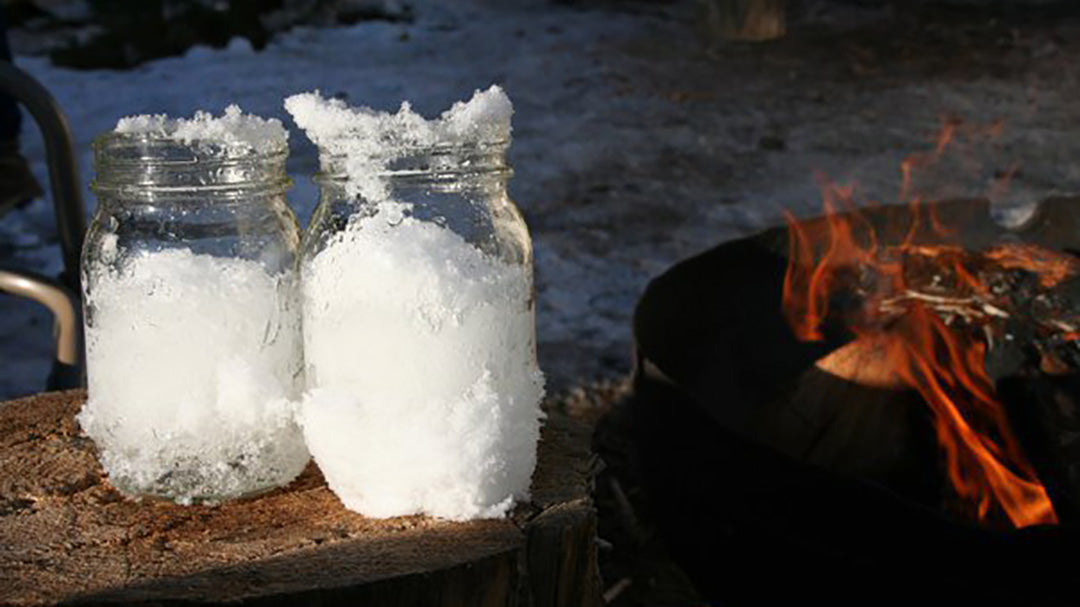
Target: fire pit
850,410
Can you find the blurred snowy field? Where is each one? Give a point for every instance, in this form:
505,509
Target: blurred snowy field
634,144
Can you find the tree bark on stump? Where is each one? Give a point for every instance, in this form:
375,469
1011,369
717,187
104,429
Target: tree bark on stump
67,536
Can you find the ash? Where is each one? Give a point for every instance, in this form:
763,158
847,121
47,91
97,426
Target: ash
638,140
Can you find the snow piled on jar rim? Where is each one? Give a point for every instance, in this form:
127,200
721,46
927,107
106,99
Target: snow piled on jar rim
233,129
369,140
342,130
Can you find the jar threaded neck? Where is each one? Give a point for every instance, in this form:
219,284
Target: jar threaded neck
154,164
419,163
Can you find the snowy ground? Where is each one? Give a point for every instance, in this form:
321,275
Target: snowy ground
634,144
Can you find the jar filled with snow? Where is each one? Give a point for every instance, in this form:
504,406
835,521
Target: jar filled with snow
419,330
193,344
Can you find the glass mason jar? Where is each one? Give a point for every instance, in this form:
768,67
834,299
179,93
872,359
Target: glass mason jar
419,334
192,323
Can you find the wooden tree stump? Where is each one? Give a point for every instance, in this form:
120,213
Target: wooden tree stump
67,536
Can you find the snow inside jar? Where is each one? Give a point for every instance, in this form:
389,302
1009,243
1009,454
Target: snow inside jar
192,320
419,328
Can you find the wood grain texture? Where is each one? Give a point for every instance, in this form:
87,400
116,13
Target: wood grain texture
67,536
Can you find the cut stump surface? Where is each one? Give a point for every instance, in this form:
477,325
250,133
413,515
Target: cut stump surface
67,536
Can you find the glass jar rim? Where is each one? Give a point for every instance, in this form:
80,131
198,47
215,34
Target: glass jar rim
202,150
154,162
473,157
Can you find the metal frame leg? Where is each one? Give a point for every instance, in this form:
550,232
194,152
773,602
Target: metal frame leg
63,299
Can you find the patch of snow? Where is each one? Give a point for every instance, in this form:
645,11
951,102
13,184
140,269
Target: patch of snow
233,129
192,361
634,147
368,140
424,392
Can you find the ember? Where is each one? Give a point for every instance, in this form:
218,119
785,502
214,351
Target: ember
925,312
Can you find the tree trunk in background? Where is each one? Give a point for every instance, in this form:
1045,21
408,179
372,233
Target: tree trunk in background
752,20
66,536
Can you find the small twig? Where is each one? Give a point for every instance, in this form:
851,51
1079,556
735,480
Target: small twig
626,512
616,589
1060,324
968,308
994,311
939,299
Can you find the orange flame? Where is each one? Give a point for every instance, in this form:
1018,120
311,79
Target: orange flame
948,370
946,366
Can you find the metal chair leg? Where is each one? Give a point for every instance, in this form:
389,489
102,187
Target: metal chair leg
66,188
67,368
64,183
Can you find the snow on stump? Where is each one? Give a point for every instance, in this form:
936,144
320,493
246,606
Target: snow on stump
67,536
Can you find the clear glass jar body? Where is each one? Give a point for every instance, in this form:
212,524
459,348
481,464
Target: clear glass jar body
420,341
192,320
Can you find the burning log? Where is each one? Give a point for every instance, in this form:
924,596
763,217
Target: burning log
67,536
934,308
821,452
